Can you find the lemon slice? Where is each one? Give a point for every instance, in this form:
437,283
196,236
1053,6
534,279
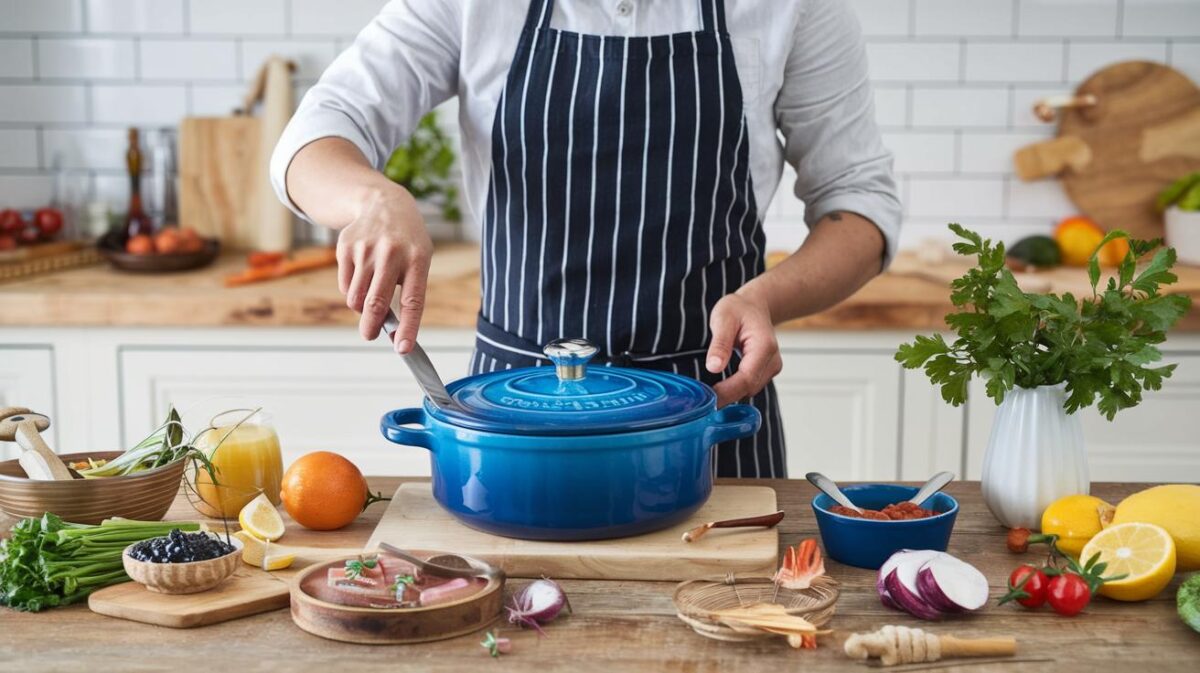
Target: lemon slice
261,519
1142,551
261,554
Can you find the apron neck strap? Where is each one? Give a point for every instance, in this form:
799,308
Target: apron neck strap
538,16
712,15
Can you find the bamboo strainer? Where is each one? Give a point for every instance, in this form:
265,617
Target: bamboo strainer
695,601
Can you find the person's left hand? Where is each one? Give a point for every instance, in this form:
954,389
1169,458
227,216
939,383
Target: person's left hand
740,321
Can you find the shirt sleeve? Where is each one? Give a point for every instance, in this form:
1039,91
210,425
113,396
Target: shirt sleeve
825,111
401,66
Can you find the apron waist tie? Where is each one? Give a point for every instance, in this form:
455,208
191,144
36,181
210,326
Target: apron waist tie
503,346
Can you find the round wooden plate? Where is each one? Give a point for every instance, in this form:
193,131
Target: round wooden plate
376,626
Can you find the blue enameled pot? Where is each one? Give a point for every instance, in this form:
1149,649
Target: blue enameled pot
567,453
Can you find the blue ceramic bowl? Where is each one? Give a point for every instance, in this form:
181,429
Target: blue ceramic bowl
867,543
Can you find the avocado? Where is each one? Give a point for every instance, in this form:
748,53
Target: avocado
1035,251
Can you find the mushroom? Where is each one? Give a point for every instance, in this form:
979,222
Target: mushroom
25,427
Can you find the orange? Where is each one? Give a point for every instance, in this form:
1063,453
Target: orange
323,491
1077,238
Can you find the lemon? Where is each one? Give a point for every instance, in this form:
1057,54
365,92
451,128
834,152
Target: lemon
261,519
1075,519
1145,553
1175,507
256,552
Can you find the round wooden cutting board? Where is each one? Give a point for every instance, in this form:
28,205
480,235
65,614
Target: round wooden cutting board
1115,156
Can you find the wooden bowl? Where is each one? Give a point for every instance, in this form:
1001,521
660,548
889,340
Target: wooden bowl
381,626
145,496
696,599
112,248
183,578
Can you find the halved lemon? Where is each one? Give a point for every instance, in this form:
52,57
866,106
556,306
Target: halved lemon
262,554
1144,552
260,518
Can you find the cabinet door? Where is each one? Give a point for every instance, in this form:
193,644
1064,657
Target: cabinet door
27,380
319,398
841,413
1159,440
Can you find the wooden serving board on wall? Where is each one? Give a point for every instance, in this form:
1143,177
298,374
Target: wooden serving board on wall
1141,135
414,520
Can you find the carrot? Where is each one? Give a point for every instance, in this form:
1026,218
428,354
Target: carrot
287,267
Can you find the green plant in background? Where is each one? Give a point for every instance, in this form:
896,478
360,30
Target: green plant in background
1184,193
423,166
1099,346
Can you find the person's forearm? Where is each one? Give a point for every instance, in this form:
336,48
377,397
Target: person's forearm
330,180
842,252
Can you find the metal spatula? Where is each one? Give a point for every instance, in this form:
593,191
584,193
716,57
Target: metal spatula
422,368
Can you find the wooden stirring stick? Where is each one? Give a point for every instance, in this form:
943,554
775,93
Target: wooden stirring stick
765,520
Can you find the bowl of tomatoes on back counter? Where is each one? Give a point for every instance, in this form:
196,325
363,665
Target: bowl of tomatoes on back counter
169,248
22,229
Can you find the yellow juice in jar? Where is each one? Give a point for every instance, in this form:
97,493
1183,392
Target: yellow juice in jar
248,462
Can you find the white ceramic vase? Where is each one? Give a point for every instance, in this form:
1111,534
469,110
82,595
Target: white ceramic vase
1035,456
1182,229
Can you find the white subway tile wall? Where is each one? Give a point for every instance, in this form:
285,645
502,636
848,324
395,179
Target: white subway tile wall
955,81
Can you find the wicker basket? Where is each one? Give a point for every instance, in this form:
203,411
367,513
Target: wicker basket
695,601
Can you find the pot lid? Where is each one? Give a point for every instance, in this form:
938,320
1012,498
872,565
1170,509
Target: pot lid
572,399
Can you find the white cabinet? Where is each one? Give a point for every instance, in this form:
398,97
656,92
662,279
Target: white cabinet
319,398
1159,440
841,413
27,380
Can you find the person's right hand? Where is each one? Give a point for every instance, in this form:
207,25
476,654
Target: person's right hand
384,246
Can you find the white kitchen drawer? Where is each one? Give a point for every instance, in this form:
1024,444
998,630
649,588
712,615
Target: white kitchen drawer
27,380
841,413
1158,440
320,398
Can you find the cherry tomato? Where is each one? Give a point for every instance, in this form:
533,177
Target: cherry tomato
1034,586
1068,594
11,222
49,220
29,234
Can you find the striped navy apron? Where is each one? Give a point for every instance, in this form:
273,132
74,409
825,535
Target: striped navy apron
620,207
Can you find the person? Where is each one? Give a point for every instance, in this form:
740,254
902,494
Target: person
619,156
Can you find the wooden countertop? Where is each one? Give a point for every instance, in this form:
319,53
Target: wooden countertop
619,626
913,298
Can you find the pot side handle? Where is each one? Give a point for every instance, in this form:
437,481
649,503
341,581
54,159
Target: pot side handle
394,428
732,422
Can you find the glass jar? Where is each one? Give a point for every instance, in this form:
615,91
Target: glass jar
244,450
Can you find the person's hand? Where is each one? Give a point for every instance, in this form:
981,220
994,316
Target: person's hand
740,321
384,246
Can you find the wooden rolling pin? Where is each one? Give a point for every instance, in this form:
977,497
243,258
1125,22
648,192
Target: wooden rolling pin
894,645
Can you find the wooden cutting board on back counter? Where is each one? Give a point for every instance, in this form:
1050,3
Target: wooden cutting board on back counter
414,520
224,188
1130,130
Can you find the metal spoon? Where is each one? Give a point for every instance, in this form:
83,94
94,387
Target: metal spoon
830,488
936,483
446,565
422,368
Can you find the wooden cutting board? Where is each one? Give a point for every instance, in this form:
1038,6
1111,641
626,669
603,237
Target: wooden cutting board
1060,280
414,520
224,187
249,592
1115,156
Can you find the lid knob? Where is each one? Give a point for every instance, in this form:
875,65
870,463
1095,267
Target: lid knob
570,357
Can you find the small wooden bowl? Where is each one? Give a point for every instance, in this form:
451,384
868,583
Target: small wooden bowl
145,496
183,578
696,599
381,626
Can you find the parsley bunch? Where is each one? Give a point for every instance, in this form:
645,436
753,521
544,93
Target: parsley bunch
1101,346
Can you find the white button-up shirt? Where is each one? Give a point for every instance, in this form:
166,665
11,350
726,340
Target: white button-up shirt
801,64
